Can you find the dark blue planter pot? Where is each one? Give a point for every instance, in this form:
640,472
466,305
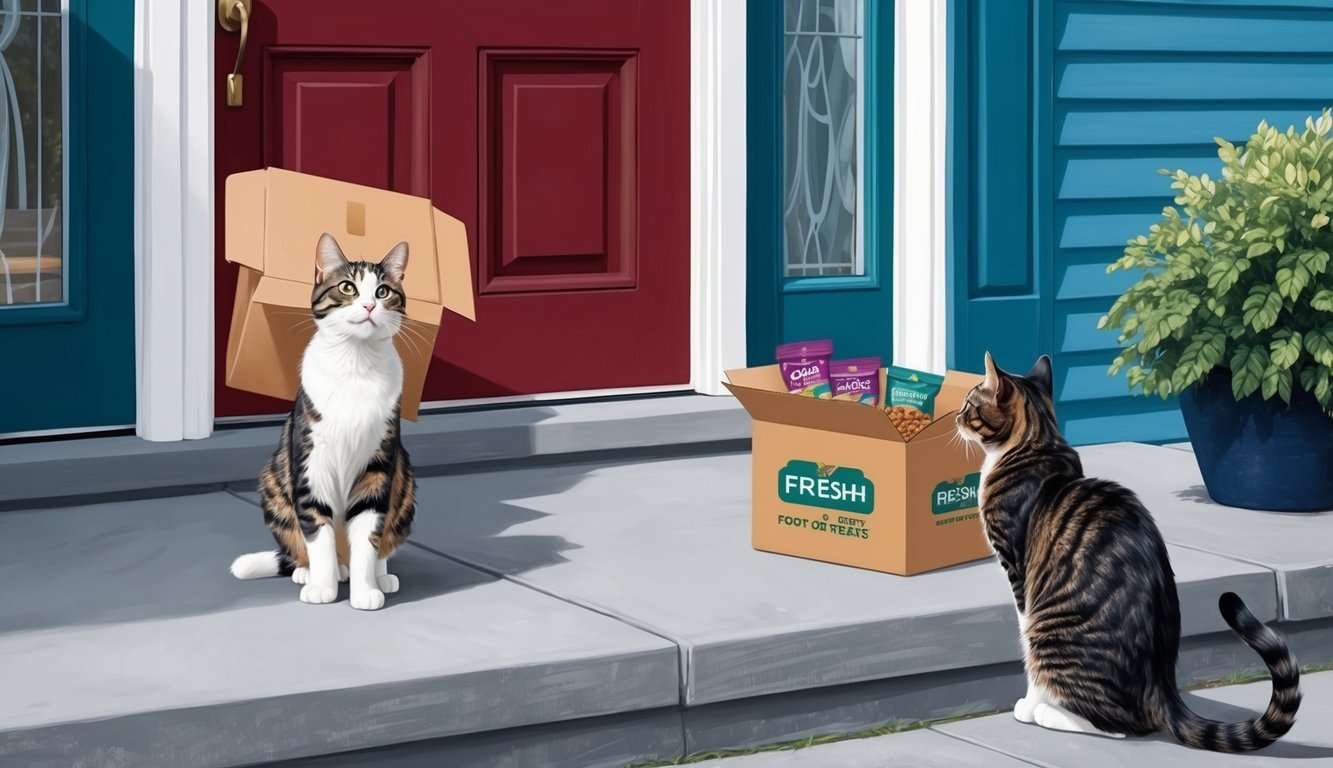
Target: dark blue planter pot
1260,454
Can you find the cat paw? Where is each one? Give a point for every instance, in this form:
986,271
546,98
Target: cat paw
388,583
301,575
1058,718
343,573
367,599
1023,710
319,593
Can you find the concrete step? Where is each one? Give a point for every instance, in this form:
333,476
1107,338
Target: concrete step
73,471
914,749
776,648
126,643
594,613
1309,743
1002,742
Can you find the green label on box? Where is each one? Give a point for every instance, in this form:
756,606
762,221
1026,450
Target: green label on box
953,495
819,485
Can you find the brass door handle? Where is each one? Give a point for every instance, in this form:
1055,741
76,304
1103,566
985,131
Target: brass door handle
234,15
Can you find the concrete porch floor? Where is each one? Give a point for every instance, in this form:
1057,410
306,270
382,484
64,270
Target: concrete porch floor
568,614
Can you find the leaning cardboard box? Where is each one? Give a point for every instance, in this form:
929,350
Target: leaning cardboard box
274,220
835,481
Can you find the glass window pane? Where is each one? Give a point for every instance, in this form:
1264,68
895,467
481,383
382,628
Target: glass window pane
822,86
31,155
825,16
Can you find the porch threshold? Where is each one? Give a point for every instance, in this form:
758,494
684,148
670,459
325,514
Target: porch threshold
66,471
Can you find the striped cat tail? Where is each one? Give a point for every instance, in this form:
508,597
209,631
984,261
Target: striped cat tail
259,565
1192,730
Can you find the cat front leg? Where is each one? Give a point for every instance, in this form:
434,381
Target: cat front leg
387,581
363,540
321,547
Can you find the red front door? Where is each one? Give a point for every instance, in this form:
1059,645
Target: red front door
558,131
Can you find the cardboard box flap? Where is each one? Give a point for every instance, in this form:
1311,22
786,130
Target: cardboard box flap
367,223
828,415
283,293
943,426
768,377
245,225
957,385
455,265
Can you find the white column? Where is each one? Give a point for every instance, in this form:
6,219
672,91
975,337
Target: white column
920,118
173,210
717,191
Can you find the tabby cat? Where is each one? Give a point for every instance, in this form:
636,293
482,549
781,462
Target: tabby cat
338,493
1097,607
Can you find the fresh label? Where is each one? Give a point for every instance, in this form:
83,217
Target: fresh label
953,495
818,485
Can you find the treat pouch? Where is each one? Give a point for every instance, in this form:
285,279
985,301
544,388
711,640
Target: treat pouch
913,389
856,380
805,367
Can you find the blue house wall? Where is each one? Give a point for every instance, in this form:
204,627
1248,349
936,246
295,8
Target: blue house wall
1064,110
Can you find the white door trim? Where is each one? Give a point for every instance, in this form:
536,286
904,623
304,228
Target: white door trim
717,191
174,89
920,298
173,218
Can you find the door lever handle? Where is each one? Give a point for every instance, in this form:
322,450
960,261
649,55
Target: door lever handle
234,15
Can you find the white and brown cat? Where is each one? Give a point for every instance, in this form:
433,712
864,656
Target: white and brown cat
338,493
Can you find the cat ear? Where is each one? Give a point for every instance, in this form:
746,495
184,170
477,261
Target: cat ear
394,263
1041,374
992,373
328,257
996,380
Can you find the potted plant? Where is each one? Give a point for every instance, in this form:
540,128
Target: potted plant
1234,313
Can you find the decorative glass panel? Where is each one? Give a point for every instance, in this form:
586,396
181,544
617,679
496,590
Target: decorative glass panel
31,152
822,85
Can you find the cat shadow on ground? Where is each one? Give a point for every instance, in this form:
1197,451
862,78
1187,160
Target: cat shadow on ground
168,558
458,510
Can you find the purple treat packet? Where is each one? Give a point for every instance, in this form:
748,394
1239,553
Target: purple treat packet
856,380
805,367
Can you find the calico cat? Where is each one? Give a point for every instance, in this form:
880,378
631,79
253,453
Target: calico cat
1097,607
338,493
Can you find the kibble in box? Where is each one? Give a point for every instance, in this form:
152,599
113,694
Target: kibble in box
835,480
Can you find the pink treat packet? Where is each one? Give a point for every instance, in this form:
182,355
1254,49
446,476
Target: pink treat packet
856,380
805,367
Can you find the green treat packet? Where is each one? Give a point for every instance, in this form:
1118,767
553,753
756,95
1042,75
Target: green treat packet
914,389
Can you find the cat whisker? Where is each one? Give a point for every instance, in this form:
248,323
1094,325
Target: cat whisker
409,332
411,344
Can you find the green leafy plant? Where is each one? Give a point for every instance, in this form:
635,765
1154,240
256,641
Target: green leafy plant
1238,275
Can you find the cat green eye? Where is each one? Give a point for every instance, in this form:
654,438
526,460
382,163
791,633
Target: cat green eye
347,288
382,292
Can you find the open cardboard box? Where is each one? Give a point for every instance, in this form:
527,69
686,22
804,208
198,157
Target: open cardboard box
274,220
835,481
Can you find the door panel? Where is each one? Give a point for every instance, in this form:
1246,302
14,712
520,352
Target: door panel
820,176
558,194
310,94
522,119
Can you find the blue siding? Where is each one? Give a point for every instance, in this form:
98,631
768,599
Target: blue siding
1114,89
1138,87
